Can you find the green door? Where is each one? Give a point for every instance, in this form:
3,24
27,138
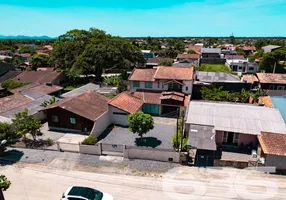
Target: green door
152,109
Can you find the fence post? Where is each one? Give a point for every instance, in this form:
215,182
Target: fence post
100,148
125,152
58,146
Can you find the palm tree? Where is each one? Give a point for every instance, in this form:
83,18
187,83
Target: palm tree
53,100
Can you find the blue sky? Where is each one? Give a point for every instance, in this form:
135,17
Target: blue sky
145,18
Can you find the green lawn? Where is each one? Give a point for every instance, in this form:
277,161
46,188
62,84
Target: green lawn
213,68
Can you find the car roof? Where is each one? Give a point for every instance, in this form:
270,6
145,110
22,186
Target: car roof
84,192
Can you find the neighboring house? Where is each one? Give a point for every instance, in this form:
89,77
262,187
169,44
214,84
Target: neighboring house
248,50
228,81
234,124
9,75
196,48
48,76
234,57
86,113
269,81
148,54
270,48
188,59
90,87
179,79
241,66
121,106
152,62
211,56
272,147
228,52
25,57
250,78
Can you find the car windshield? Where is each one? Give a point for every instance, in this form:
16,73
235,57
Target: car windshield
88,193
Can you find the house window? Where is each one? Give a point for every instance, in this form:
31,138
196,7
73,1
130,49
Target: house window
230,138
148,84
280,88
235,138
272,87
239,68
187,88
234,68
55,118
251,68
136,84
72,120
158,84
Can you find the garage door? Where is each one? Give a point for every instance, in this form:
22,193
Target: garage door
152,109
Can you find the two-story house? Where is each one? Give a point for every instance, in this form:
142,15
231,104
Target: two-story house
160,91
241,65
211,56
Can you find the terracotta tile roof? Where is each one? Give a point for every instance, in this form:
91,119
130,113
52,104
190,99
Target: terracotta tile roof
126,102
24,55
271,78
248,48
195,48
142,75
235,57
152,97
273,143
176,73
250,78
188,56
37,76
13,101
43,88
177,96
89,105
266,100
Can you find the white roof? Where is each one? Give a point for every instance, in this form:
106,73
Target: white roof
239,118
146,51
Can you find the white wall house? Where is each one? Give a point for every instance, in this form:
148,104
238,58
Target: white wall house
242,66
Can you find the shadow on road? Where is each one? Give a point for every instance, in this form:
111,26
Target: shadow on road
10,157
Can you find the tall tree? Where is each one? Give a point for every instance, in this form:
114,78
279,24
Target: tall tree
89,52
4,185
39,60
140,123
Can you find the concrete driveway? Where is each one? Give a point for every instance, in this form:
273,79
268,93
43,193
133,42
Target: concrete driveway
159,137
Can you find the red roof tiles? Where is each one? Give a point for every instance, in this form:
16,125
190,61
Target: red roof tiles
272,78
43,88
89,105
152,97
126,103
142,75
188,56
250,78
176,73
37,76
273,143
13,101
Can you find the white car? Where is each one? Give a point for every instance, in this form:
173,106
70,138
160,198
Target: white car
85,193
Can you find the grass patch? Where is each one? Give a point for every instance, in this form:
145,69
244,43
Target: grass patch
214,68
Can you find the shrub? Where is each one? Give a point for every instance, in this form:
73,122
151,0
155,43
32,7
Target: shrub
49,141
11,84
90,140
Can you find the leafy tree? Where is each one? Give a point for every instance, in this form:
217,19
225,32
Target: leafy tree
27,49
217,94
4,185
6,132
25,123
111,80
80,52
177,141
166,62
46,103
39,60
140,123
179,45
11,84
240,52
191,51
269,59
122,86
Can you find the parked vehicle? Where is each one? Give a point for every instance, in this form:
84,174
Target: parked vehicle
85,193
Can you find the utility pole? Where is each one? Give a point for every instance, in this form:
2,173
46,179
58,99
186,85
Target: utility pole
274,68
182,134
177,137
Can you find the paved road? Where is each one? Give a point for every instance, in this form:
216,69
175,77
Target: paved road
32,182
